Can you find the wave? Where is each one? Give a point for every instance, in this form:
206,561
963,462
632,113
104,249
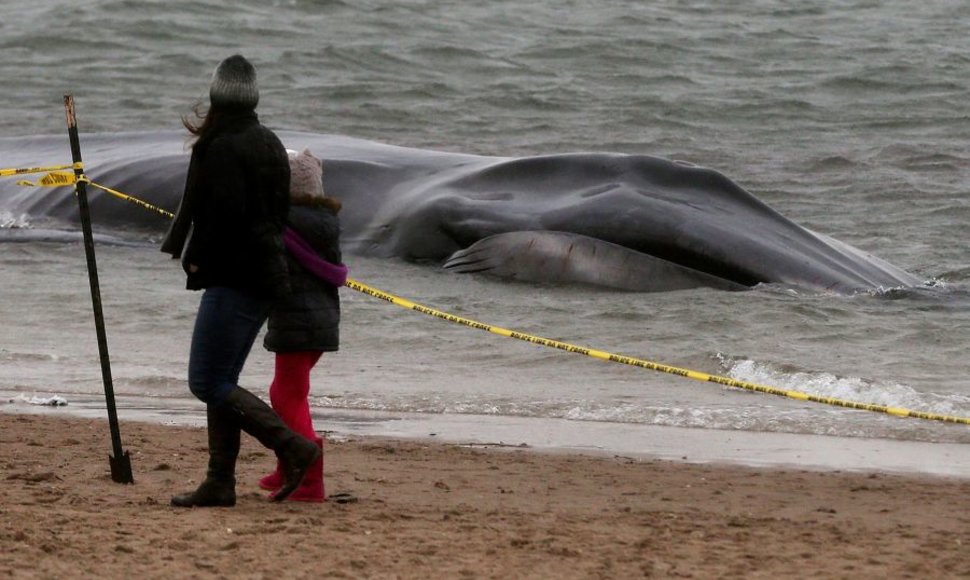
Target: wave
857,389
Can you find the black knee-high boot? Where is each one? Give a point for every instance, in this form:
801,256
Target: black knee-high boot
219,487
295,452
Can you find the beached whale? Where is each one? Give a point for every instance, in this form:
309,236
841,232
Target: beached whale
630,222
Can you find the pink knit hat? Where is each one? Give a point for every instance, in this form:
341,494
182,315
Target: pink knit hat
306,175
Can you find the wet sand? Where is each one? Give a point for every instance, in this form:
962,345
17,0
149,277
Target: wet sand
437,510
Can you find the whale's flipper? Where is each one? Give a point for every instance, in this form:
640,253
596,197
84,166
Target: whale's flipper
561,257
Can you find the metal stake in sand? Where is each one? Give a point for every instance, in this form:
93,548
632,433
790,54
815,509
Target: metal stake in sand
120,462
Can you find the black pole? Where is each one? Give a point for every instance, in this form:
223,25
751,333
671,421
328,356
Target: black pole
120,462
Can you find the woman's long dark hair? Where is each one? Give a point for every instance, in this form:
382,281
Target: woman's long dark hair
202,123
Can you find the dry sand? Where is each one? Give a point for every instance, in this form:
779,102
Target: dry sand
432,510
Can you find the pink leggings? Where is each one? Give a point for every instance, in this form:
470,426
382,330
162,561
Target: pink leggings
290,388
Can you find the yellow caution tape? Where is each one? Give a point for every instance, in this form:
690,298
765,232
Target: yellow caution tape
62,178
699,376
130,199
52,179
55,179
28,170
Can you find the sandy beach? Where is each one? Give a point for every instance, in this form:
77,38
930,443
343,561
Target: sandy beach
434,510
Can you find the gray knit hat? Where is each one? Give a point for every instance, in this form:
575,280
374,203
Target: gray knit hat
234,84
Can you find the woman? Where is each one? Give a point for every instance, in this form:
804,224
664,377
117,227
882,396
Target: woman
305,324
229,224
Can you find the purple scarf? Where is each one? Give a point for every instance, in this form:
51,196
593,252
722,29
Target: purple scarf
334,274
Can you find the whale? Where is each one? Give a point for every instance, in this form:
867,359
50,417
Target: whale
617,221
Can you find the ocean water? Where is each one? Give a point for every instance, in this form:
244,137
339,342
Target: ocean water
850,118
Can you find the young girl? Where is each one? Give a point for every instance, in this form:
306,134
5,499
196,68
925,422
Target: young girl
305,324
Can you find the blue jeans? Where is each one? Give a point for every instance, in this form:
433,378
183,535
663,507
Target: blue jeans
226,326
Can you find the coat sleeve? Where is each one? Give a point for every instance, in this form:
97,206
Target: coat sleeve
178,230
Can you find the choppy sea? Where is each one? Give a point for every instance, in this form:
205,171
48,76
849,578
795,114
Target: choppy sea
850,118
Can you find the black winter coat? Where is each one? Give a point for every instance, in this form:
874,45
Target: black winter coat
236,200
309,317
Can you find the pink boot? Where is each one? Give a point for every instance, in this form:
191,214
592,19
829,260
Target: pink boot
273,481
288,395
312,489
